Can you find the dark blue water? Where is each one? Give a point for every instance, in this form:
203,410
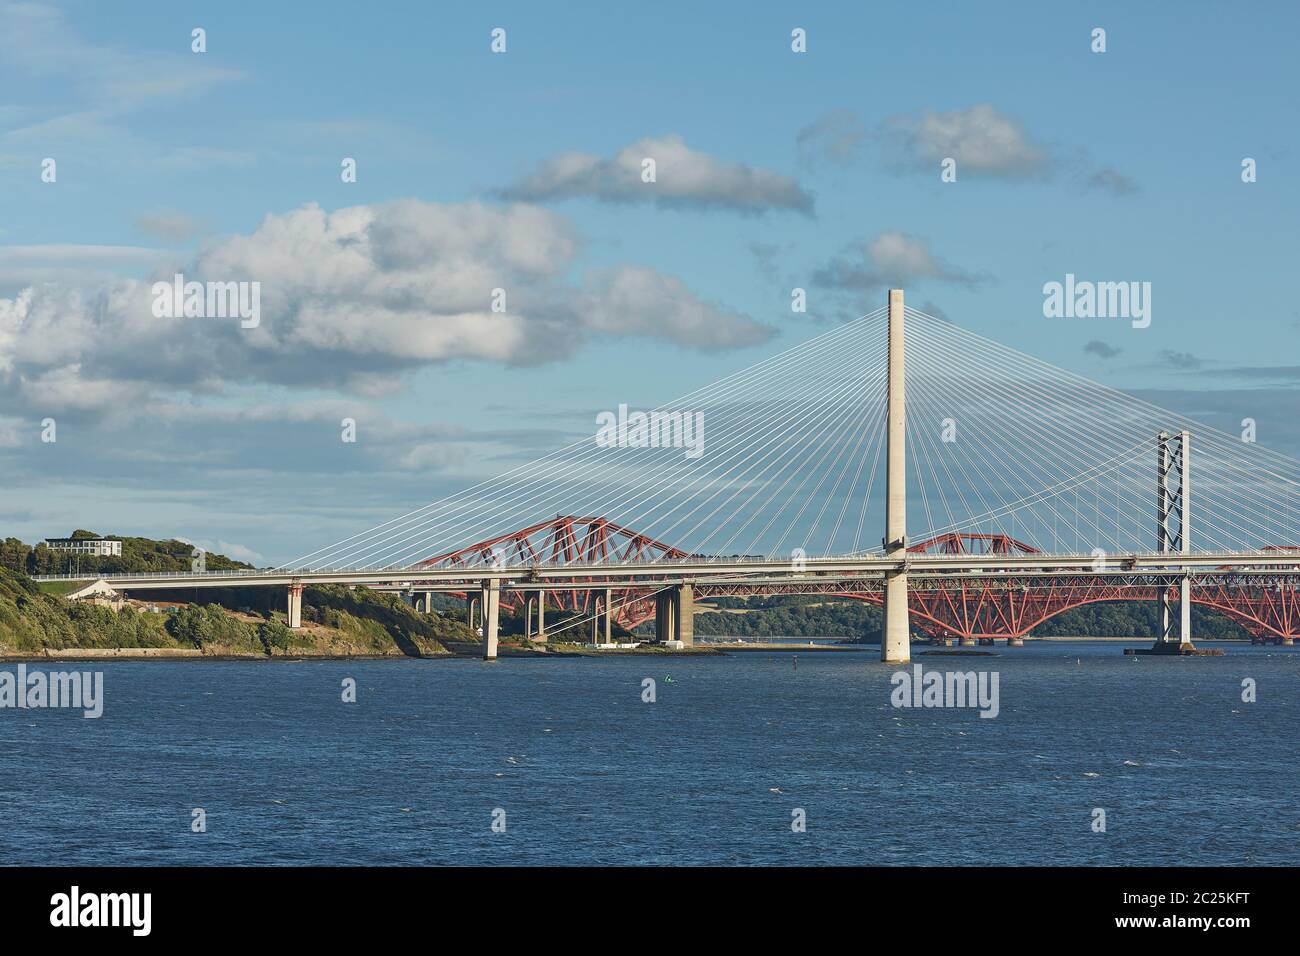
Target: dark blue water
710,773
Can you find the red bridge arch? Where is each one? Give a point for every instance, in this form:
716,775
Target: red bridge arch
568,539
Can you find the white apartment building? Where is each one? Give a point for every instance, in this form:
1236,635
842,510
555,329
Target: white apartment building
95,547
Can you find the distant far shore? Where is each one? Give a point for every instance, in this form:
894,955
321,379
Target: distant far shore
725,643
1198,640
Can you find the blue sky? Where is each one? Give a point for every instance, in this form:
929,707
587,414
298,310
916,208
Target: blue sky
1114,166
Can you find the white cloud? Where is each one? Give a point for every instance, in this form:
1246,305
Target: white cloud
635,301
1109,180
11,431
91,92
837,137
891,259
77,255
37,41
1102,350
74,265
683,178
983,141
428,456
350,300
69,388
167,225
230,549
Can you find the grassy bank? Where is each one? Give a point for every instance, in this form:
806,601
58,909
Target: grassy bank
337,622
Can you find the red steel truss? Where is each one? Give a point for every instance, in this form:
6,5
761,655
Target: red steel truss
1004,608
988,605
964,542
566,539
562,540
992,606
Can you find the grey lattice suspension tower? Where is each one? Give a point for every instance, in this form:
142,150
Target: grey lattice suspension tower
1173,528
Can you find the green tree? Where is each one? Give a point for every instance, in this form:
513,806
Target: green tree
13,555
274,635
191,625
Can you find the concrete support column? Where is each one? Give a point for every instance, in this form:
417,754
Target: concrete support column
423,602
295,605
471,610
609,616
665,613
540,634
895,643
490,598
529,600
684,613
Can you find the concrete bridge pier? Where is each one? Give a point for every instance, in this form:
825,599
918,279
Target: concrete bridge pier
684,618
472,607
663,615
422,602
1015,642
602,617
967,642
535,616
295,605
601,625
675,614
490,602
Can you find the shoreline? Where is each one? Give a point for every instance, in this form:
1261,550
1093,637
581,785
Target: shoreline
190,654
96,654
90,654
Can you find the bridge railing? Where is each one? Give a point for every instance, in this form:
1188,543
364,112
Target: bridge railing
1267,559
155,574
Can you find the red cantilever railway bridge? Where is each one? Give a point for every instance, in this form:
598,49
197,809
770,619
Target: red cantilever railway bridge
981,606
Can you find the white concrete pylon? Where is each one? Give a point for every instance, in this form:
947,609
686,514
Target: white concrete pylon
490,597
895,642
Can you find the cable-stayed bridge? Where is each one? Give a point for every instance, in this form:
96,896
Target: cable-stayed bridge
1038,490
